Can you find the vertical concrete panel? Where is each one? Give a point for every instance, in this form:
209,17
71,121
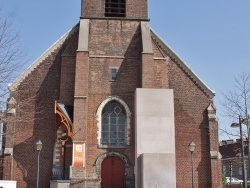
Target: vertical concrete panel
155,137
146,38
83,42
161,166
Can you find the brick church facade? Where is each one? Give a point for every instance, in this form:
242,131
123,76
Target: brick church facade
107,99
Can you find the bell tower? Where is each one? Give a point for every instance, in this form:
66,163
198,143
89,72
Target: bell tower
114,50
127,9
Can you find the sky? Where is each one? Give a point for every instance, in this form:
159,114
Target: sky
211,36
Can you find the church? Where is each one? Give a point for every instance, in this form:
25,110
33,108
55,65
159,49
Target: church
114,107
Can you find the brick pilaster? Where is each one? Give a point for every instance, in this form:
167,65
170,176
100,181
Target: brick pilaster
216,175
80,98
147,68
81,92
147,57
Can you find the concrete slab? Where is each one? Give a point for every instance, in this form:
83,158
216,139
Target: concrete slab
146,38
156,170
154,134
83,42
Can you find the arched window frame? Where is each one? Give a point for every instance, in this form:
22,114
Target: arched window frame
99,120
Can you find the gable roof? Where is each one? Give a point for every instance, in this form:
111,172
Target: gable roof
168,51
232,150
38,61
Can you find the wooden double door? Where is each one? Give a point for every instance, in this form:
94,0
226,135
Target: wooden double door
112,173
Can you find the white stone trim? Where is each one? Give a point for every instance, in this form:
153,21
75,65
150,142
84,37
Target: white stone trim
99,117
83,42
57,147
146,37
100,159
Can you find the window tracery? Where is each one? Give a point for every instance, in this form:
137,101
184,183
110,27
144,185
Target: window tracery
113,116
113,124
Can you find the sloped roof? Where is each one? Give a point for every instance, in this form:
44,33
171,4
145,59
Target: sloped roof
39,60
64,116
176,59
167,50
67,110
232,150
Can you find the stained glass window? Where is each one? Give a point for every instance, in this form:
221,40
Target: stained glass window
113,125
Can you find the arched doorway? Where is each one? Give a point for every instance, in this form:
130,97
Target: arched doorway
112,172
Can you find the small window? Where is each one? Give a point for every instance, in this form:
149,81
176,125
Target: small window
113,74
115,8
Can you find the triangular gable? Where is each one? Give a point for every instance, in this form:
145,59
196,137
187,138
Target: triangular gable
168,51
38,61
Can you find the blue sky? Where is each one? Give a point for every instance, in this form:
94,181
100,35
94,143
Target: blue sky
211,37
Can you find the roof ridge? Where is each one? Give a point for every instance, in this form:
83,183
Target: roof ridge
40,59
182,65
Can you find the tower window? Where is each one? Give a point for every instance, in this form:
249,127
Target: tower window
115,8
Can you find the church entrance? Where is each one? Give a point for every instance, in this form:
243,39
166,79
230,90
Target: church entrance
112,173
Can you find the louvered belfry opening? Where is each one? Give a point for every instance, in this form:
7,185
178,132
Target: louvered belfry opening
115,8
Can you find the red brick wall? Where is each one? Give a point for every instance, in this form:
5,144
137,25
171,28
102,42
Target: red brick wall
191,124
118,39
120,42
35,120
115,38
68,65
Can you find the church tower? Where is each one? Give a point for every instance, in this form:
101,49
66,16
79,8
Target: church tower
127,9
114,41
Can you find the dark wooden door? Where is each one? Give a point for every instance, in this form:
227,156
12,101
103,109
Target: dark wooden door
112,173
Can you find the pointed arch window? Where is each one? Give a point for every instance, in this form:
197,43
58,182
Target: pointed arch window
113,122
113,125
115,8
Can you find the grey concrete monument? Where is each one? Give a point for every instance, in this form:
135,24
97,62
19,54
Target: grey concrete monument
155,139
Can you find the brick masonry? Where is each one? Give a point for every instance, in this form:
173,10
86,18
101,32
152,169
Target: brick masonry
136,9
82,79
